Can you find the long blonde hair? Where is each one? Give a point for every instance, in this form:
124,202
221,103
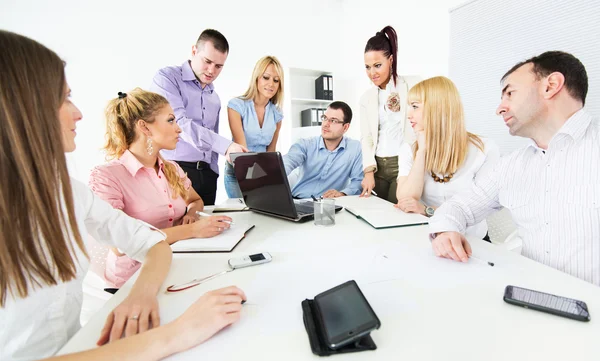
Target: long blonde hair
259,70
444,122
39,230
122,115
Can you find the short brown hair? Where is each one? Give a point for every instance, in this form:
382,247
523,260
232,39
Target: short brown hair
576,79
216,38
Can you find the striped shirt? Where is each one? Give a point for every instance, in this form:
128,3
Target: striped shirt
553,196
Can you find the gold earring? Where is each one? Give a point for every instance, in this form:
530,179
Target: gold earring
149,147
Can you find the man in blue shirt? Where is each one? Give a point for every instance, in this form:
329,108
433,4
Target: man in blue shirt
331,164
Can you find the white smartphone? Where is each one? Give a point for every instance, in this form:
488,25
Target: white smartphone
250,260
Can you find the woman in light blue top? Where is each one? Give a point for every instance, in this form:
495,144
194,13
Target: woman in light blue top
255,117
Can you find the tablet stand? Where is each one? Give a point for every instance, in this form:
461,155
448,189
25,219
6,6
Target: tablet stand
317,339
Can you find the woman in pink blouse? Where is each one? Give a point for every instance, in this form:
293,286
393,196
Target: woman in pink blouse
141,183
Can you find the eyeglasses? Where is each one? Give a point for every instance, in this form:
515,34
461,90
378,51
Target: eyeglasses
324,119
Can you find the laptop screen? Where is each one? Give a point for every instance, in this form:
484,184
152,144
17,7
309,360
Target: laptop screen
263,182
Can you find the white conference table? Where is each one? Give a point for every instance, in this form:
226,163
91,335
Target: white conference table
430,308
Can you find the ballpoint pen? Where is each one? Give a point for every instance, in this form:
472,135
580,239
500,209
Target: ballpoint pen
202,214
195,282
482,261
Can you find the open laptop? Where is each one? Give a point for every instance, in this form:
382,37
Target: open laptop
265,186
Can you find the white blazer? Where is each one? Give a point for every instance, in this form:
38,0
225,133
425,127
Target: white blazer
369,118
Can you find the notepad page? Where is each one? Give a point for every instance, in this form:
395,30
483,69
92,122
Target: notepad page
224,242
380,213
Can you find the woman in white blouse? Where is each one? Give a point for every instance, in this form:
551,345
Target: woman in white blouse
45,221
383,123
446,158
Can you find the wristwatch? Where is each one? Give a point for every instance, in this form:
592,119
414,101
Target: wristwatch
429,211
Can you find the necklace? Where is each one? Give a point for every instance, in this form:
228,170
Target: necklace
445,179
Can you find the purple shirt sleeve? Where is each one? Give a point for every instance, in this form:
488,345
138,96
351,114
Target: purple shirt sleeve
193,132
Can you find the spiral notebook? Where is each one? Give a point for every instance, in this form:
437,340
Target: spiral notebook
224,242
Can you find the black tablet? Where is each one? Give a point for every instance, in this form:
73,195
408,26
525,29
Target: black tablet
345,315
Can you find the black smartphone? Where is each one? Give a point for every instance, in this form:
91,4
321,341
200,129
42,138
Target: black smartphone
345,315
545,302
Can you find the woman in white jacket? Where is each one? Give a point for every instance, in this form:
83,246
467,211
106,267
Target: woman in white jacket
383,121
45,221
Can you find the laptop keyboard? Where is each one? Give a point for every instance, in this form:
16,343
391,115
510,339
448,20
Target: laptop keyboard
304,208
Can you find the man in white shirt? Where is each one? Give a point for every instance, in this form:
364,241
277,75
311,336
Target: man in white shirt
551,186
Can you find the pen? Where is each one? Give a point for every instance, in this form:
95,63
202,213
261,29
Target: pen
375,194
314,199
480,260
202,214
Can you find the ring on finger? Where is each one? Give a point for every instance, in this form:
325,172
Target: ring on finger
134,317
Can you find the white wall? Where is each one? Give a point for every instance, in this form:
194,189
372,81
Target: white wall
489,37
113,46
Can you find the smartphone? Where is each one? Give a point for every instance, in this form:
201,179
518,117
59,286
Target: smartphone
345,315
250,260
545,302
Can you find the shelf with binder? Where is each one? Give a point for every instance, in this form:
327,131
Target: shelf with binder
303,93
300,95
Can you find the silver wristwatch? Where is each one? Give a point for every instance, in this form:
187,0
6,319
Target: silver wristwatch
429,211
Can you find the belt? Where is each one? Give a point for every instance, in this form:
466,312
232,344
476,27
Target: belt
200,165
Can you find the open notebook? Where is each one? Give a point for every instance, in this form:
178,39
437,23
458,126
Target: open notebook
231,205
225,242
380,213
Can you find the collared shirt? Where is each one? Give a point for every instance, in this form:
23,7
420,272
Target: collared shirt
391,124
197,113
257,138
141,193
38,326
435,193
553,196
322,169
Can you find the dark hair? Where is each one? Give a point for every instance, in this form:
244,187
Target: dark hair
576,79
216,38
345,108
39,234
386,40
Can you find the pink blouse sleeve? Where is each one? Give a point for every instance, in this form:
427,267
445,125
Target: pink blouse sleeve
105,186
187,183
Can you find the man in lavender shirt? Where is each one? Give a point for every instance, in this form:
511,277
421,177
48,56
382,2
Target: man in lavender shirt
190,91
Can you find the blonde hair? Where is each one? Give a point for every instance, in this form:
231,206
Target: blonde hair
37,215
122,115
444,124
259,70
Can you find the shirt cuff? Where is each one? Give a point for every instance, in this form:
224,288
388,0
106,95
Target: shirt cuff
148,237
436,227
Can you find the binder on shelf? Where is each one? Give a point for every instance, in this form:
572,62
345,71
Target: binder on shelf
321,88
310,117
329,87
320,113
